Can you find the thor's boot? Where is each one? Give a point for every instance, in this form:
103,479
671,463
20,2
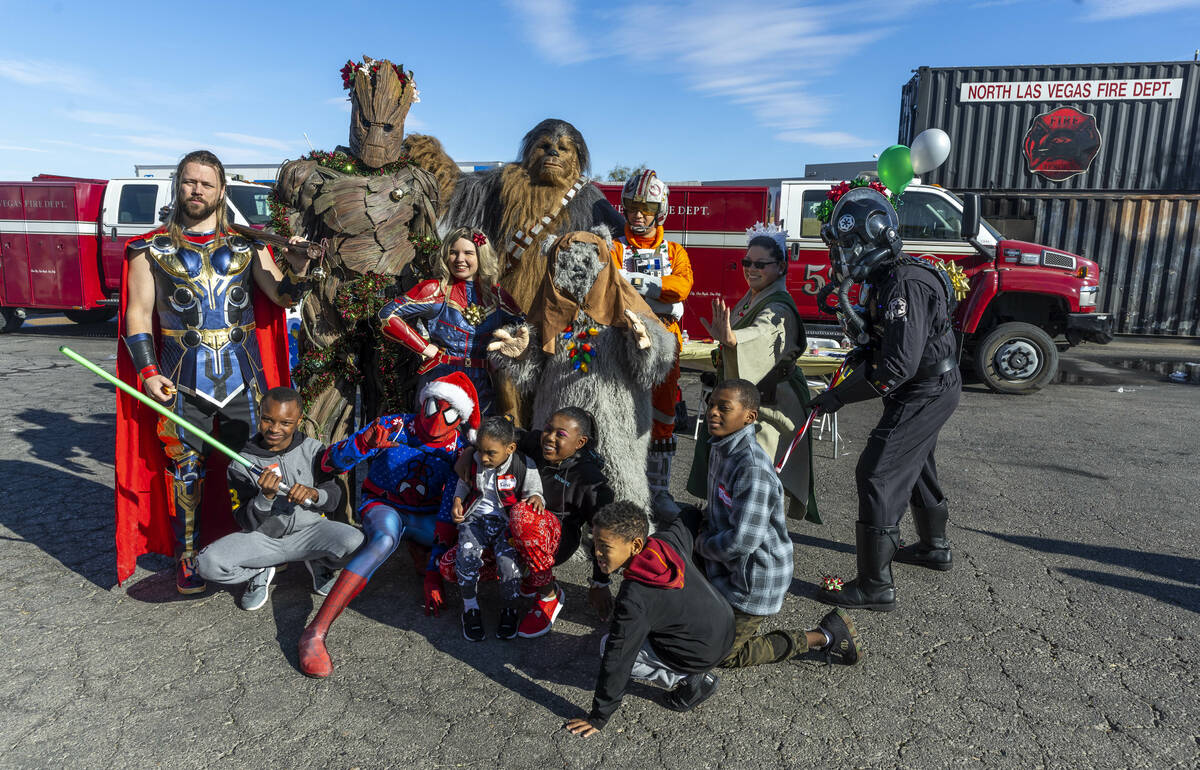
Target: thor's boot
314,658
873,589
933,550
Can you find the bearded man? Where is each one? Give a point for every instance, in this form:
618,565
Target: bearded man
202,335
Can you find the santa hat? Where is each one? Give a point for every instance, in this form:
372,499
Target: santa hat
457,390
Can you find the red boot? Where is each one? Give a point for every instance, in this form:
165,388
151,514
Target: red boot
314,658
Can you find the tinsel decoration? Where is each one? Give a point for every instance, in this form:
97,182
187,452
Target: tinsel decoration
825,210
832,583
362,299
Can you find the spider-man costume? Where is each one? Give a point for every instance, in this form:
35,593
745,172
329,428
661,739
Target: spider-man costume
409,488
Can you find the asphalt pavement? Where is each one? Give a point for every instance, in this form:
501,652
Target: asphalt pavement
1065,636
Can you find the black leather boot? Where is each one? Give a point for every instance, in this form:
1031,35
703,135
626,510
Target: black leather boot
933,550
873,589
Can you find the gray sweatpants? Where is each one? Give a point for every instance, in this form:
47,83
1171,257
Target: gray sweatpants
649,668
238,557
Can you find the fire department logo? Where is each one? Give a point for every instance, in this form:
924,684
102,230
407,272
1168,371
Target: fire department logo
1061,143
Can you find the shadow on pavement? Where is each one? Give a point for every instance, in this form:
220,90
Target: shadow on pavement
1183,569
517,664
67,515
820,542
1171,593
60,438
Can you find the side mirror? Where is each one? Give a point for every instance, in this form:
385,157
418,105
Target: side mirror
970,217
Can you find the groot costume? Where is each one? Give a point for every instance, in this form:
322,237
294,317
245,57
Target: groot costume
374,212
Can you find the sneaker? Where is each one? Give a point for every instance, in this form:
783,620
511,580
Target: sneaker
186,579
508,623
472,625
323,577
691,692
539,619
258,590
841,630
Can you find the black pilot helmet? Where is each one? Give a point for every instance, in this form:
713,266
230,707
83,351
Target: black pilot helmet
863,234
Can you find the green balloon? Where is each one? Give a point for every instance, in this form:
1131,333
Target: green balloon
895,168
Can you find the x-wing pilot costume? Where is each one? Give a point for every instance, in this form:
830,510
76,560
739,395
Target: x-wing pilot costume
662,273
222,343
910,359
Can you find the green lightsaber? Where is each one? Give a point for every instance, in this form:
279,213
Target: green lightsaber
194,430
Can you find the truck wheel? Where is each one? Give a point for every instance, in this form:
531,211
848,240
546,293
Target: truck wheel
1016,358
94,316
11,319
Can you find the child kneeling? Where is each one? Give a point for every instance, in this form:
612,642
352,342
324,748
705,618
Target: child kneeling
670,627
501,480
743,541
278,527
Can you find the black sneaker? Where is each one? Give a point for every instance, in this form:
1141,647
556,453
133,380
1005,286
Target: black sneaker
841,630
691,692
508,623
473,625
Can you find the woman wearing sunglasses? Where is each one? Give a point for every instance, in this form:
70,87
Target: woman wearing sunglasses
759,339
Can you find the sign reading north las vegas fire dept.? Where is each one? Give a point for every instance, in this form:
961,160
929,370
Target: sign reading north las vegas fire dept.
1063,90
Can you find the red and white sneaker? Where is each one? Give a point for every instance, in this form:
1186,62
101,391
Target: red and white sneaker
538,620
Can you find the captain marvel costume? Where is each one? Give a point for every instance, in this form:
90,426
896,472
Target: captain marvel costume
459,321
222,342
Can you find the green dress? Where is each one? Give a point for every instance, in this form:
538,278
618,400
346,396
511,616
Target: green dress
769,335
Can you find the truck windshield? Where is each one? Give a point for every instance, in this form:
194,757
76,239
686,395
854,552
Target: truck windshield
251,201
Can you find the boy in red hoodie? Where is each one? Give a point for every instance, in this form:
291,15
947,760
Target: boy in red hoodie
669,626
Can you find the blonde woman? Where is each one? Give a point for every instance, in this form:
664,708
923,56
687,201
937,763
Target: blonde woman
460,307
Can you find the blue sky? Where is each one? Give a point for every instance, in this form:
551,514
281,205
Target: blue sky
697,90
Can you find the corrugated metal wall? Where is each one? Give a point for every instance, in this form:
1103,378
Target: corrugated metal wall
1148,248
1146,145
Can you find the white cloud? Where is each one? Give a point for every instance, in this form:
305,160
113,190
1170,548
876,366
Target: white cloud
257,141
112,119
1107,10
46,74
130,152
18,148
552,30
834,140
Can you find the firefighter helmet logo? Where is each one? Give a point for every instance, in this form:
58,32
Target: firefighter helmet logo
1061,143
846,223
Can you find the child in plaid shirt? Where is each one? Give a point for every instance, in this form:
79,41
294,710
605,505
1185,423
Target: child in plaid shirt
743,541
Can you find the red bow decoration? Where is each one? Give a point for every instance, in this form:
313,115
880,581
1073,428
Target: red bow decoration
479,238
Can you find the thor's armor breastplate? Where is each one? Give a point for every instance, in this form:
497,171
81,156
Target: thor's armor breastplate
655,262
206,315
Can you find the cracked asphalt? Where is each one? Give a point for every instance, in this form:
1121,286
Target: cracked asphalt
1065,636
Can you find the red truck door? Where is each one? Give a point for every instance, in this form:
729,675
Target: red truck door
49,258
131,208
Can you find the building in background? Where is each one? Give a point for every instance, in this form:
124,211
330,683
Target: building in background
1102,160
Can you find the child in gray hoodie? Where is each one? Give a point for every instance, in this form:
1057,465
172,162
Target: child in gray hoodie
276,527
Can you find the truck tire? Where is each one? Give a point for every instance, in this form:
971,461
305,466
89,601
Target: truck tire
1016,358
11,319
94,316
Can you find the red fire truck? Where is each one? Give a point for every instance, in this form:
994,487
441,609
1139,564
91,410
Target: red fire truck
62,240
1023,296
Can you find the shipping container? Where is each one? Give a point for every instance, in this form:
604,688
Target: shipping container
1085,127
1147,246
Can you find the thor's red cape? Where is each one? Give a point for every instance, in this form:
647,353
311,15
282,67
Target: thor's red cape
144,490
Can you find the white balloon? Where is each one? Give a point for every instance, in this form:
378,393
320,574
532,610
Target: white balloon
929,150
